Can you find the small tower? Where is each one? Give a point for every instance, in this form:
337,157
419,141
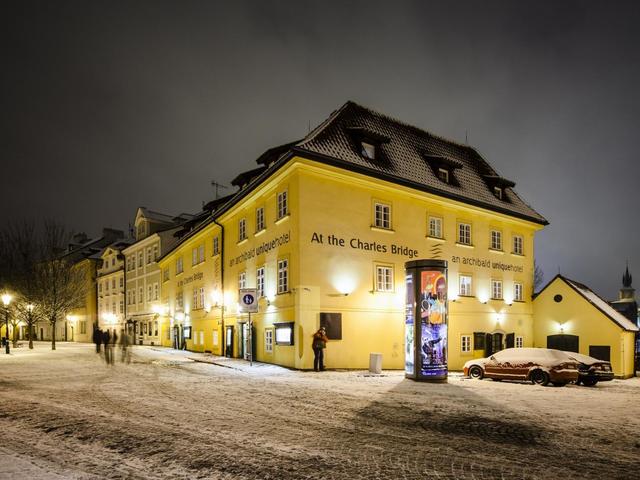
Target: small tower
627,291
626,303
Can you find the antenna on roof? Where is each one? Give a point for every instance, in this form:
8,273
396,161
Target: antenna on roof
466,137
217,185
308,126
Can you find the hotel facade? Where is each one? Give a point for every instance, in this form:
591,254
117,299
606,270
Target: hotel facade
323,227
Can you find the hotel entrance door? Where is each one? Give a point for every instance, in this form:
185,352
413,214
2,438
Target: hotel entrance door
228,347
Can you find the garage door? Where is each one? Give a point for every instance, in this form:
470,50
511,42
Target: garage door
568,343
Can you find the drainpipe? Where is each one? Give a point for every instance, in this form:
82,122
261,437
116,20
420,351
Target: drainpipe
224,333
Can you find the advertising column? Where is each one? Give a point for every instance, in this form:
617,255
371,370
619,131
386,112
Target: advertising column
426,320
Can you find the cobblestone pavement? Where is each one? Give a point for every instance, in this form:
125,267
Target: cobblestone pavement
65,414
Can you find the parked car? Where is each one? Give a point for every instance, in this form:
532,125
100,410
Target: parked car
539,365
591,370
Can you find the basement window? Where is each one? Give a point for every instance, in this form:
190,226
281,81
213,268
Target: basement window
368,150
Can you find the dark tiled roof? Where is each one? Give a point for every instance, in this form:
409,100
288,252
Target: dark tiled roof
405,159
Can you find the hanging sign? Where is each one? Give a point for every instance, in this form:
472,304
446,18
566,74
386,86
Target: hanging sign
248,300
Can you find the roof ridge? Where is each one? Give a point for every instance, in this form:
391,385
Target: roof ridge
316,131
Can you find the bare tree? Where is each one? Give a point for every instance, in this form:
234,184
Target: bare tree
538,276
29,314
60,286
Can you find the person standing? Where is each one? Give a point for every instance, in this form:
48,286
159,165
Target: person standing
319,344
106,341
97,338
125,342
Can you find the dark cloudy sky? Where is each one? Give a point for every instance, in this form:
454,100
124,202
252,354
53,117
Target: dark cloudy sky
109,105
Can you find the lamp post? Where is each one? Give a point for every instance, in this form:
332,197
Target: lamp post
6,300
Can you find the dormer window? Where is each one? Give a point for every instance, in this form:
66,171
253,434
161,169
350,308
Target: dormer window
497,191
443,174
368,150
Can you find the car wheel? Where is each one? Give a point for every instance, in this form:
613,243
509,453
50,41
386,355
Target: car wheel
559,384
476,372
589,382
540,377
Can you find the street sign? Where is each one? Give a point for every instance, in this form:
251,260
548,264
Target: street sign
248,300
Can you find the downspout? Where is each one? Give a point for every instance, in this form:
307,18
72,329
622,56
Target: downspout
224,334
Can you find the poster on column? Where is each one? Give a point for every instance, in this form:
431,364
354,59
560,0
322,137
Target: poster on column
409,345
433,323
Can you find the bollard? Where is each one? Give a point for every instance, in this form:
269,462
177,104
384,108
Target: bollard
375,363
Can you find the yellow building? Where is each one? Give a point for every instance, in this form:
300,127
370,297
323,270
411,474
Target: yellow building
570,316
323,228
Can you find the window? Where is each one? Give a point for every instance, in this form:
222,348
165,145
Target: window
201,254
121,282
435,227
83,326
496,240
113,307
201,297
497,191
148,255
140,254
242,229
121,306
113,283
149,293
155,291
496,289
465,343
113,262
464,289
268,340
519,341
284,333
179,300
443,174
195,305
155,328
179,265
517,244
100,287
382,215
368,150
259,219
384,278
194,256
260,282
242,280
464,233
216,246
283,275
283,206
165,274
140,295
479,340
156,252
517,291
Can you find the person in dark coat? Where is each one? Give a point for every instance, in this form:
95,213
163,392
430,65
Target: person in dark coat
106,341
319,344
97,338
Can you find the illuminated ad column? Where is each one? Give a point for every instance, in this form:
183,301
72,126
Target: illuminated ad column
426,316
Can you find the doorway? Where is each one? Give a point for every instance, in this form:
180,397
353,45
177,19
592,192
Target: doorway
568,343
228,348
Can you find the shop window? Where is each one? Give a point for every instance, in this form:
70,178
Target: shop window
496,240
517,292
464,233
464,289
332,323
284,333
382,215
259,219
435,227
518,245
268,340
496,289
384,278
283,275
465,343
283,205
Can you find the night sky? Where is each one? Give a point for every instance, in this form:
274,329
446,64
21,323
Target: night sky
107,106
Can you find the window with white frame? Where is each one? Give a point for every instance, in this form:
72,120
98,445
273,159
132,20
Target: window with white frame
106,285
201,254
283,275
179,300
140,260
268,340
201,297
464,289
497,191
443,174
194,256
384,278
435,227
382,215
113,307
368,150
464,233
113,283
121,306
140,295
179,265
194,302
156,252
496,240
465,343
260,282
519,341
155,291
259,219
283,205
242,280
517,291
165,274
518,244
149,293
242,229
121,282
496,289
149,255
216,245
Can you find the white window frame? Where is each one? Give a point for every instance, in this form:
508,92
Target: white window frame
464,233
518,292
260,281
140,295
384,278
382,215
179,265
282,204
201,253
465,343
434,225
283,275
519,341
242,280
467,291
496,240
260,223
201,297
443,175
242,229
216,245
268,340
518,245
498,192
496,289
194,299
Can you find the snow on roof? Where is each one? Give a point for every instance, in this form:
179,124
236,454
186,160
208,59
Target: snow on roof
602,305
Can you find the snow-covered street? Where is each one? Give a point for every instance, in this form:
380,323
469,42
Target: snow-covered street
65,414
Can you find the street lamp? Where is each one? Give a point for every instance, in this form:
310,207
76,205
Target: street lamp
6,300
